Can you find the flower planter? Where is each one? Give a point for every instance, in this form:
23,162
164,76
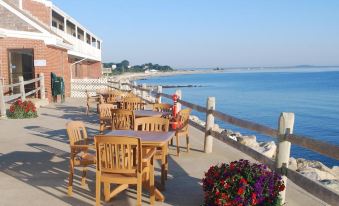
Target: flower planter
242,183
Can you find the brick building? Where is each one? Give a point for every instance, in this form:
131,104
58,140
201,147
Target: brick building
36,36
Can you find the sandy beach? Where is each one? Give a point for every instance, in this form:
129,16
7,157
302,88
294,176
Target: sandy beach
142,75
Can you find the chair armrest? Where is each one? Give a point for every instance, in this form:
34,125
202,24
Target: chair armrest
83,147
149,153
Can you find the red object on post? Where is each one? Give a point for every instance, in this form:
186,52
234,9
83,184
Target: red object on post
174,111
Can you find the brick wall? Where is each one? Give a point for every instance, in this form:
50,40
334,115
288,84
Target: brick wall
56,59
10,21
90,70
38,10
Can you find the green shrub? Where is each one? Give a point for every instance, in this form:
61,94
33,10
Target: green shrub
22,110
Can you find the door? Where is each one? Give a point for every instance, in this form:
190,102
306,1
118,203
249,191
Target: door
21,64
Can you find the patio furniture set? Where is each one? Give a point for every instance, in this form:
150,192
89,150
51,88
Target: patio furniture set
130,139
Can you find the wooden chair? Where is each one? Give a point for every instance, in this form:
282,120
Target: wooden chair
105,116
80,157
121,161
132,103
122,119
161,107
91,100
129,94
156,124
183,120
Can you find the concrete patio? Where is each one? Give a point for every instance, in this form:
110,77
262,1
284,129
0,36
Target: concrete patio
34,159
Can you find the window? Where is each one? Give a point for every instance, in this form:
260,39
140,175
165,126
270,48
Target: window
55,24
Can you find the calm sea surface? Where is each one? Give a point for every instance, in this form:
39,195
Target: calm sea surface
312,94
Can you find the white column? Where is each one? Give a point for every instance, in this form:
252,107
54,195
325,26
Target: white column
210,106
286,124
65,25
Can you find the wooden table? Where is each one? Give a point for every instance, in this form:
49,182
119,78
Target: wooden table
149,113
156,139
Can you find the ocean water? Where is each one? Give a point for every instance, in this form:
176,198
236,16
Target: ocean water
261,95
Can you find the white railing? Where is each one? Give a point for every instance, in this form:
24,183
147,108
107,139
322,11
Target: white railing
80,47
21,84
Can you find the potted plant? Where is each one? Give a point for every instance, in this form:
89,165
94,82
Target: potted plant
242,183
22,110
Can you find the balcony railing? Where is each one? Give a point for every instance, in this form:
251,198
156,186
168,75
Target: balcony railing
80,47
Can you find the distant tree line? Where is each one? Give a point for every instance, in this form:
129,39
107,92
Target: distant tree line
124,66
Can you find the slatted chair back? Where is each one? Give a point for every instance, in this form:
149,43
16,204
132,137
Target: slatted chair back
161,107
77,133
129,94
122,119
184,119
118,154
155,124
133,103
113,96
105,111
101,99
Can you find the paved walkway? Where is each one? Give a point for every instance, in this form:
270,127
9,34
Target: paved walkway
34,158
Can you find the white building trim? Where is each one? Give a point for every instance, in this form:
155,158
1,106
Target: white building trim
47,38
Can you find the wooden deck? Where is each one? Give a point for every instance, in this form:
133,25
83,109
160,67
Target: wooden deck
34,164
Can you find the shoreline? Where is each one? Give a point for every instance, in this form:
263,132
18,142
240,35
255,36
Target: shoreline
141,75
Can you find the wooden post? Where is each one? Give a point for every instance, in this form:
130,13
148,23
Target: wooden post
179,93
2,103
286,124
143,93
22,88
120,84
159,90
42,86
134,90
210,106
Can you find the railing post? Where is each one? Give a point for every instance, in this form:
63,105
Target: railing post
120,84
134,90
159,90
285,127
143,93
22,88
2,102
210,106
42,86
179,93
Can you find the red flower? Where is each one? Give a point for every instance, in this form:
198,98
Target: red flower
254,198
243,181
231,166
241,191
282,187
217,193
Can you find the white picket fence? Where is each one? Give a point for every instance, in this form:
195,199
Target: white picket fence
79,86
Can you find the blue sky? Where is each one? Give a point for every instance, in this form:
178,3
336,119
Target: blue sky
213,33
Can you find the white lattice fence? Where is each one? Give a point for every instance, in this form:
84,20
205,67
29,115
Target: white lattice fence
79,86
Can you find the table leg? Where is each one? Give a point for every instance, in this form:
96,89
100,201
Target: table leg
164,165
